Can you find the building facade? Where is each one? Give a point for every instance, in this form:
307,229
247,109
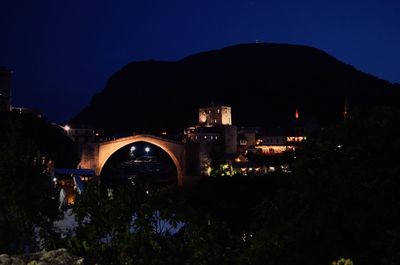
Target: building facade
215,115
214,135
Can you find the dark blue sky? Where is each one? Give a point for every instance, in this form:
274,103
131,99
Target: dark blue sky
63,51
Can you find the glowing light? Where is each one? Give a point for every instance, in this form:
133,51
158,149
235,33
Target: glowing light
295,138
272,149
133,148
67,128
55,179
203,117
147,149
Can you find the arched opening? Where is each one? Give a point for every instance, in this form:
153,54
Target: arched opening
139,161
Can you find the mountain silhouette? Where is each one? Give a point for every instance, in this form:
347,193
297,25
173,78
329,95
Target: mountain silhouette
263,83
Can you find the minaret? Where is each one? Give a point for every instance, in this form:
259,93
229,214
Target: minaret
346,112
297,114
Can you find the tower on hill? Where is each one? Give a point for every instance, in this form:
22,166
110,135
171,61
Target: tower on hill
215,115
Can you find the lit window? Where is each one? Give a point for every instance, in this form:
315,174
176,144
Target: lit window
215,120
212,137
218,110
205,137
216,137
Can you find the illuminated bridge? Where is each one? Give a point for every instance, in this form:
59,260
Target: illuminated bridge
94,156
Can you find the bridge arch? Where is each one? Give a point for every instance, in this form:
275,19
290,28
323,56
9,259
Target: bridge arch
174,149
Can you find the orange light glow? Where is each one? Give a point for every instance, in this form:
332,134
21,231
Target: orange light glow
295,138
272,149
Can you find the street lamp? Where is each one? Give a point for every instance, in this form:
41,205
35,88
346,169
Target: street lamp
67,129
132,150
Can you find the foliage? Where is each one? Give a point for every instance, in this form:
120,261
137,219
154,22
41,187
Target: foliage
222,170
138,226
343,261
26,205
343,199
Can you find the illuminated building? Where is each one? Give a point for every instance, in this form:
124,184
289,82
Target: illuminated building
71,181
214,127
279,140
214,134
295,139
80,134
27,111
215,115
5,89
274,149
246,138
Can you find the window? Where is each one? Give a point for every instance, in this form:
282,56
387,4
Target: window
215,120
205,136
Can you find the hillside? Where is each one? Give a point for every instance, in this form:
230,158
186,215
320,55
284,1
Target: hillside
263,83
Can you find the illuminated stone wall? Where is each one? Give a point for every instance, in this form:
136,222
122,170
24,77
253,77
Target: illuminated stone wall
95,157
215,115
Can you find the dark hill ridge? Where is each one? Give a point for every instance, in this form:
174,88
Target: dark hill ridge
263,83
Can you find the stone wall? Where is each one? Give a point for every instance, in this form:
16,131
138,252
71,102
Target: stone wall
54,257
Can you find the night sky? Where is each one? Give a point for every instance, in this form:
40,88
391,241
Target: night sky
62,52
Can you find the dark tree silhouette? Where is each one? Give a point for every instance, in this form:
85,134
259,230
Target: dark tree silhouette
343,199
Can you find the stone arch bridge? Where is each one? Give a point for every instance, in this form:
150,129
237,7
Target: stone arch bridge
95,155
